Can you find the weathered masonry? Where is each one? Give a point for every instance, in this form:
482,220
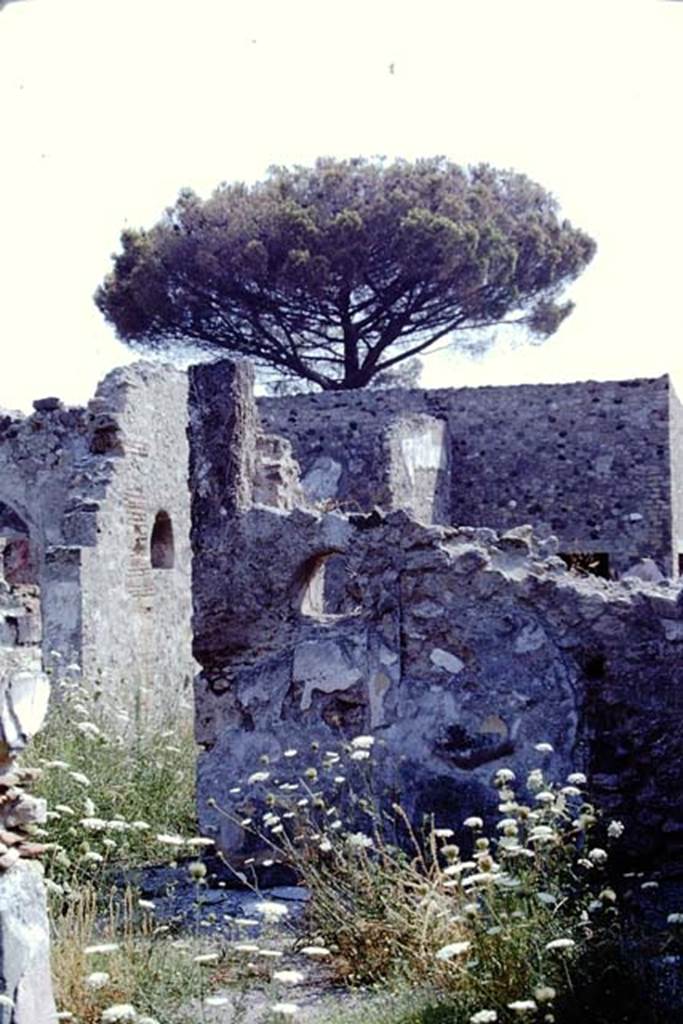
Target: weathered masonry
461,647
597,464
94,538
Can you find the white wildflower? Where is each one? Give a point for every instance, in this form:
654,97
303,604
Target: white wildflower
205,958
615,829
197,842
675,918
216,1001
359,840
360,755
98,979
577,779
291,753
92,857
93,824
522,1006
545,797
84,781
284,1009
597,856
560,944
544,748
484,1017
288,977
473,822
168,840
451,950
122,1011
501,778
315,951
102,947
258,777
245,947
363,742
271,910
147,904
444,833
274,954
544,993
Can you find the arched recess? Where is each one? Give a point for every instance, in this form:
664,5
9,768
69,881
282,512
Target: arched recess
320,587
162,546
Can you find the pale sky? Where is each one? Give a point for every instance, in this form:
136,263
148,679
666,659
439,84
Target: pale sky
109,107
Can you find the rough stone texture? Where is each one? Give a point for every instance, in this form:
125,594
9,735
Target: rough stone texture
24,948
465,647
598,464
24,934
83,488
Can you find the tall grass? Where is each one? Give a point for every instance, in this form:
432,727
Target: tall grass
497,924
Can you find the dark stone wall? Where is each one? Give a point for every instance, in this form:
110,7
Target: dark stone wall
589,462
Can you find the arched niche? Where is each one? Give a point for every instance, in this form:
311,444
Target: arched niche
162,548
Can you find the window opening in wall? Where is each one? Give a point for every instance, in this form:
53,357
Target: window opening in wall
587,563
321,589
680,563
162,550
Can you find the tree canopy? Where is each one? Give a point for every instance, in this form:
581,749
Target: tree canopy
336,273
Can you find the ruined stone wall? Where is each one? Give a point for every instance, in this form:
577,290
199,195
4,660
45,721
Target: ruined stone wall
88,484
466,647
136,615
589,462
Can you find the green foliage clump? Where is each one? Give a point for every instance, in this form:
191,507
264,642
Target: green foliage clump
112,787
334,274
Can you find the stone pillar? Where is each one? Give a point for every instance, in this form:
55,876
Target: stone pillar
24,933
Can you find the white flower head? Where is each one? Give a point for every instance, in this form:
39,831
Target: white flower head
205,958
359,841
523,1006
271,910
577,779
473,822
284,1009
360,755
315,951
258,777
103,947
484,1017
544,748
453,949
561,944
615,829
122,1011
597,856
501,778
97,979
289,977
363,742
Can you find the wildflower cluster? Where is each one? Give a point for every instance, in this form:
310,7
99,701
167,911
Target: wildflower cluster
498,916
